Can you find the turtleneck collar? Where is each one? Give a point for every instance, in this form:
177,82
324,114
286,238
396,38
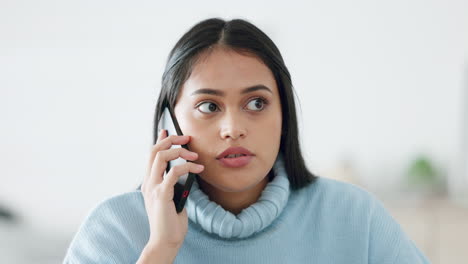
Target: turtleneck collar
216,220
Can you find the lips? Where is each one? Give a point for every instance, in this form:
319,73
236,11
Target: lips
235,150
235,157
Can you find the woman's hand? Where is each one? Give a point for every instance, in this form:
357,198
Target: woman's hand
167,228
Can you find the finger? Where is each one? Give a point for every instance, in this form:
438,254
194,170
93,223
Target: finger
179,170
154,149
163,142
161,135
163,157
183,218
168,141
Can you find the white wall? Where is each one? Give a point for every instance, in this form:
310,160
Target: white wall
377,81
460,181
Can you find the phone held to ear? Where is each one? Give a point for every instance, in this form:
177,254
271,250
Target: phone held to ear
182,187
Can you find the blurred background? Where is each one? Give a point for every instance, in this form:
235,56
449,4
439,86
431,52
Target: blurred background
382,92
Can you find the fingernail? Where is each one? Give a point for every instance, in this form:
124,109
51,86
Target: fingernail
199,166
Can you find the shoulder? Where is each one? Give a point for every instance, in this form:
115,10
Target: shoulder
114,229
118,209
361,210
327,199
335,185
339,193
124,202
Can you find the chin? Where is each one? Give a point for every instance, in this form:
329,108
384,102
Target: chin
228,188
231,184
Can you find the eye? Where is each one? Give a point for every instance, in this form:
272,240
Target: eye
207,107
257,104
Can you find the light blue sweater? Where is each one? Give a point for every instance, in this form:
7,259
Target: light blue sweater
326,222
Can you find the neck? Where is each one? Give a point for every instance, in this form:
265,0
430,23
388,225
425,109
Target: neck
234,202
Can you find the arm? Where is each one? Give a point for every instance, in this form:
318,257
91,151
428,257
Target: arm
388,243
162,254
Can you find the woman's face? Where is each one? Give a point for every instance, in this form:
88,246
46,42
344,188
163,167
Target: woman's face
230,116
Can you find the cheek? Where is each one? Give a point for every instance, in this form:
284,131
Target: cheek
270,132
186,121
273,125
201,136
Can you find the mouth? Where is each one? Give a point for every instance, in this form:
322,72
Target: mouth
235,160
234,152
235,157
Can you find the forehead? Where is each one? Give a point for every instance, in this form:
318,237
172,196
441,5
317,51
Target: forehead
229,71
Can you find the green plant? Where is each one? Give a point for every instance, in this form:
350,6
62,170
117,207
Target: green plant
421,172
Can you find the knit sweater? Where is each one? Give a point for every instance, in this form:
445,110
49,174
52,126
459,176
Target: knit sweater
326,222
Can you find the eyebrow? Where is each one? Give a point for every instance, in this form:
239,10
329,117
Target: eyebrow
221,93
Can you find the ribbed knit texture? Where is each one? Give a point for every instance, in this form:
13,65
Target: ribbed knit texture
214,219
325,222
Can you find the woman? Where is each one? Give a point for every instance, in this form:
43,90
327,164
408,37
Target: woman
232,94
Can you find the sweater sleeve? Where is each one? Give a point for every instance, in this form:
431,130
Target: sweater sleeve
388,243
113,232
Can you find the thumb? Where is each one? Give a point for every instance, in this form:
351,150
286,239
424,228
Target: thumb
183,217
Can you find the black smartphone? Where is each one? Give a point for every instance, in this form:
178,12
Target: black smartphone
182,187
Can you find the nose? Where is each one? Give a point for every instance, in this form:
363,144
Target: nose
232,127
